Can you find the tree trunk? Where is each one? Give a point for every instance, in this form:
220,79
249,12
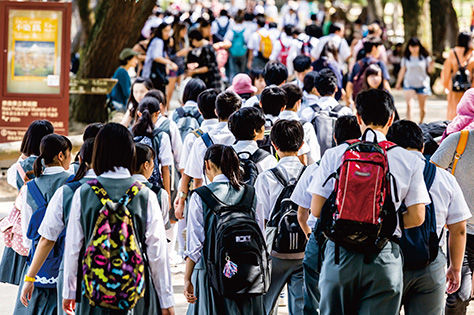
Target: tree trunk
416,20
444,26
374,11
117,24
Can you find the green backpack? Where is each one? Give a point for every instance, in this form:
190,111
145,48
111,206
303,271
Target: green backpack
113,265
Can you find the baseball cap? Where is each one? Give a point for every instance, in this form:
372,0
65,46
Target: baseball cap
127,52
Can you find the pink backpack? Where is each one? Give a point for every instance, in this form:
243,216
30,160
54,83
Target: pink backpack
283,55
10,226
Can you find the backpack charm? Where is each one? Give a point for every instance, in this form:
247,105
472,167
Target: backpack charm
230,268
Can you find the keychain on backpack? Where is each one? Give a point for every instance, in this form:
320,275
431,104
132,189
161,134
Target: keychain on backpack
230,268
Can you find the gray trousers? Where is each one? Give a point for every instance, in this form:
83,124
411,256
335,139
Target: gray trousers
290,272
423,290
356,287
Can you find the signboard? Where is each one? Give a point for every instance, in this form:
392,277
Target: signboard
34,66
92,86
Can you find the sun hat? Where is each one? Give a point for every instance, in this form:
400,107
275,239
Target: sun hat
127,52
242,84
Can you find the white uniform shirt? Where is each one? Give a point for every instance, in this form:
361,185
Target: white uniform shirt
251,146
406,168
206,126
237,28
251,101
268,188
324,102
53,222
12,172
343,48
448,199
223,21
165,154
26,210
301,196
314,153
196,234
156,246
164,197
277,48
295,49
176,141
219,135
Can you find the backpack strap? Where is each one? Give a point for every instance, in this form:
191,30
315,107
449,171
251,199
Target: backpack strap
209,198
207,140
279,176
70,178
180,112
131,193
99,190
457,59
196,115
429,174
74,185
197,133
36,194
20,171
460,148
259,155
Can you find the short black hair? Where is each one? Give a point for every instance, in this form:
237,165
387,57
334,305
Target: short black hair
227,103
113,147
255,73
195,34
308,81
335,27
370,42
159,95
301,63
275,73
207,103
273,99
293,94
326,82
406,134
346,128
245,122
261,21
375,107
287,135
30,145
192,89
91,131
143,153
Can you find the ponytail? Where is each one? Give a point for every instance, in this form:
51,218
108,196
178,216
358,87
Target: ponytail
144,125
51,145
86,159
225,158
143,153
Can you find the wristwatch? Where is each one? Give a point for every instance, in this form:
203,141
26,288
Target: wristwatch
182,194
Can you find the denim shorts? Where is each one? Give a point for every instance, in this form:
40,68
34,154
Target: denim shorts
174,74
425,90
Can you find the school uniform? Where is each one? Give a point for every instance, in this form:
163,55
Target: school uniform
237,64
283,42
148,220
43,300
254,45
309,136
308,100
219,135
324,102
311,261
251,146
206,126
376,286
423,290
209,302
170,127
296,49
285,269
54,222
344,51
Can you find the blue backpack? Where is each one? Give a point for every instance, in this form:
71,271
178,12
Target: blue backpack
47,276
187,119
222,30
420,245
239,47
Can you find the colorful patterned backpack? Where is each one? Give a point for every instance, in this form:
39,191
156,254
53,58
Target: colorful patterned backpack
113,265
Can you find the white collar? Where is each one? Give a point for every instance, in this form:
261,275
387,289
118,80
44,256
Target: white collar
221,125
117,173
52,170
90,174
209,122
289,159
191,103
326,101
288,114
380,136
140,178
221,178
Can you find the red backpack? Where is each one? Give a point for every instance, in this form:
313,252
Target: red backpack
360,215
283,56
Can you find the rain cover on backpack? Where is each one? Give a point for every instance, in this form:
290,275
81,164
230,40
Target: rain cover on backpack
113,265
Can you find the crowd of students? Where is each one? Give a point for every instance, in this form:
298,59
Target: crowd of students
269,183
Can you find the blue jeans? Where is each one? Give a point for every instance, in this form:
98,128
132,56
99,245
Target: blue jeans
311,269
237,65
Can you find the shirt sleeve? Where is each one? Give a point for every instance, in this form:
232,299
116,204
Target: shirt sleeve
53,223
187,146
26,213
300,195
229,35
164,204
385,73
263,195
176,142
72,248
157,48
276,50
254,42
443,157
417,192
327,166
157,253
11,175
195,225
344,50
315,149
194,166
403,63
165,155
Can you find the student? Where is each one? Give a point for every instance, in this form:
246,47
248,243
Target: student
328,59
273,101
226,104
258,80
325,84
274,73
424,289
444,157
282,45
114,154
121,91
242,85
238,36
287,269
188,117
89,133
310,94
222,168
303,45
346,128
248,125
302,66
144,132
207,108
139,88
294,95
54,222
12,264
337,33
378,279
144,165
50,169
260,46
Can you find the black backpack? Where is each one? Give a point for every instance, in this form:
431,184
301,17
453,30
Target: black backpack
248,165
420,245
236,257
266,143
430,132
289,237
462,77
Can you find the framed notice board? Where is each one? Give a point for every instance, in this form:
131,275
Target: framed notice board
34,66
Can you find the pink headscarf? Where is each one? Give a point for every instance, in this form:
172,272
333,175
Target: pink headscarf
465,114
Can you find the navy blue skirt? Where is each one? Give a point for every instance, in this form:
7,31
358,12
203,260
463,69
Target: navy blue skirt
11,267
